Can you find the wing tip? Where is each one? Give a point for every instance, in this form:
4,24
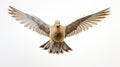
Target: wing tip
107,10
10,10
11,7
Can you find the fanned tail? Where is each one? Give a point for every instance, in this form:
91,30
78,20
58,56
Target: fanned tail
56,48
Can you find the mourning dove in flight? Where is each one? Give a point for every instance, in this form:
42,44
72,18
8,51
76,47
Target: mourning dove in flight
57,33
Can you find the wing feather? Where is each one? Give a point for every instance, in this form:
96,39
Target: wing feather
32,22
84,23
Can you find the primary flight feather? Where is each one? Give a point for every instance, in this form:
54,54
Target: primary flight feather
57,33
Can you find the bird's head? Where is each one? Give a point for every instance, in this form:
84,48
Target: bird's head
57,23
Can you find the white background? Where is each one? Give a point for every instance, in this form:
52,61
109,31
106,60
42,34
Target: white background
96,47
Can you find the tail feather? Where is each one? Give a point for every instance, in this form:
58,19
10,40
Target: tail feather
56,48
66,47
46,45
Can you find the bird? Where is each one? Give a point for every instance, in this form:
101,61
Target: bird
56,32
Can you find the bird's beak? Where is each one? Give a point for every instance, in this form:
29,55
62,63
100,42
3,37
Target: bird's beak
57,25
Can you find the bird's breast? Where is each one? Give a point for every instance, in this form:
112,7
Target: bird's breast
57,35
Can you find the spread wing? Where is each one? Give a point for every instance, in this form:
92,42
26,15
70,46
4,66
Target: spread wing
84,23
34,23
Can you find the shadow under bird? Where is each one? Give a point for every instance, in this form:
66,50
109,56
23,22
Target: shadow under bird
57,33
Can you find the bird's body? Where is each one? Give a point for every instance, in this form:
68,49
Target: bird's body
57,33
56,43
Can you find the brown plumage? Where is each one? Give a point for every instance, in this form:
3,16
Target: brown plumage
57,32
